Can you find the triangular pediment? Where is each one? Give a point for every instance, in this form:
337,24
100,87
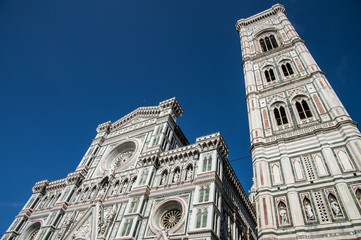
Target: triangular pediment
83,227
139,115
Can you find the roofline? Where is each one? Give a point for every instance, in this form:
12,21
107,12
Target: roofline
260,16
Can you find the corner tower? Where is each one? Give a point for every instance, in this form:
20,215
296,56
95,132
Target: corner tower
306,150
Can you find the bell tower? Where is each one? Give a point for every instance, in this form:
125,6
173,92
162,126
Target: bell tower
306,150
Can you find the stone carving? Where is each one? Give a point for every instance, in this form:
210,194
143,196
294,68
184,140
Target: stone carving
176,175
66,225
189,173
120,159
164,178
163,235
283,215
84,231
107,220
309,211
102,191
171,218
335,208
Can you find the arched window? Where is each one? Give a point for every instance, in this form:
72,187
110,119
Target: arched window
204,194
207,163
127,227
31,232
268,43
269,74
303,109
280,115
273,41
143,177
202,218
133,205
263,45
287,69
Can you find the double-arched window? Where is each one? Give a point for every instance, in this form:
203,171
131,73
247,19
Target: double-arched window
287,69
280,115
303,109
268,43
270,75
202,216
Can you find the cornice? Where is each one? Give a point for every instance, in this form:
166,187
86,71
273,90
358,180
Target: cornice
301,132
260,16
153,111
77,177
284,86
56,185
214,140
40,186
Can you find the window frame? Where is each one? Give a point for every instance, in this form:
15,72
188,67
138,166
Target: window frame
268,41
273,119
289,67
312,110
267,71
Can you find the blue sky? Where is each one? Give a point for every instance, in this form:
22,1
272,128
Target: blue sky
67,66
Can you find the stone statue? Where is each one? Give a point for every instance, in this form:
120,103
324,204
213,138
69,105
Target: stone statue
336,208
189,173
176,176
309,211
283,214
107,220
164,176
102,190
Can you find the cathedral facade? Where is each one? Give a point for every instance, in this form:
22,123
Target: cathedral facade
306,150
141,179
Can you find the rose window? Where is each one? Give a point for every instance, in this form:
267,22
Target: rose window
121,158
171,218
168,215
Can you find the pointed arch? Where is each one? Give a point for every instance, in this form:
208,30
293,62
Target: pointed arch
32,231
358,195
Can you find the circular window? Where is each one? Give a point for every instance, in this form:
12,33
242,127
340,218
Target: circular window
171,218
120,157
168,215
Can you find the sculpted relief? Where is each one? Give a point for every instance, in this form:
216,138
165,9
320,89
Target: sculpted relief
120,159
